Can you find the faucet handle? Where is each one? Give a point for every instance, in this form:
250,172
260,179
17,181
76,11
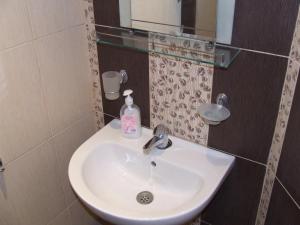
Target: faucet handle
160,131
160,139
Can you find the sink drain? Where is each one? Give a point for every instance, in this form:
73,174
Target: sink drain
144,197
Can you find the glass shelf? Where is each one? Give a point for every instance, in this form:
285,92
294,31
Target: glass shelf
179,46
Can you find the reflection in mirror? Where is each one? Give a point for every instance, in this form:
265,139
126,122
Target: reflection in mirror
185,29
207,19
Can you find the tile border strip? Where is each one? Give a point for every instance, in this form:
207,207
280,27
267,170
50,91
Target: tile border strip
88,7
286,101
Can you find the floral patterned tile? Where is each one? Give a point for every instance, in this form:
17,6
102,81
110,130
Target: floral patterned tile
88,8
295,49
177,87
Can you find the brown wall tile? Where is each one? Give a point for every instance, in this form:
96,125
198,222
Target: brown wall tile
282,210
107,12
253,84
266,25
138,79
237,200
112,58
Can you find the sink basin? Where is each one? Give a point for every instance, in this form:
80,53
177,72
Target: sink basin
113,177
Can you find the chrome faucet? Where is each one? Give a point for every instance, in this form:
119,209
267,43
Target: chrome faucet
160,139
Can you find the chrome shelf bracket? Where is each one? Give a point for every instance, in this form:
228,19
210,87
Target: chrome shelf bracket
2,169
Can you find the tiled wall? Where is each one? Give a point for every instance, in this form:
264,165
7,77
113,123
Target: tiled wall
255,83
282,209
283,205
260,86
279,136
45,109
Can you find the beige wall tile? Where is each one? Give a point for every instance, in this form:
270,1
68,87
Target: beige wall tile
45,87
14,29
65,144
69,194
55,15
46,16
23,116
74,14
7,212
62,219
65,76
82,216
78,213
33,187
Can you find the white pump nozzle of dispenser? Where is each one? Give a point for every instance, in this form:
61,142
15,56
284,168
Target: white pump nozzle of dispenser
128,99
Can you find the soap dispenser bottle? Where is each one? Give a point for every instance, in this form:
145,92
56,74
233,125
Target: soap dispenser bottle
130,117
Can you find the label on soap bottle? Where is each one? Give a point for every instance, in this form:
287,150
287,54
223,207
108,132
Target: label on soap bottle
128,124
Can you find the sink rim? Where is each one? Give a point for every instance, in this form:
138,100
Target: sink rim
78,184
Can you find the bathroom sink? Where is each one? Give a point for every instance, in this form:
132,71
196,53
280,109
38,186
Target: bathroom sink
122,185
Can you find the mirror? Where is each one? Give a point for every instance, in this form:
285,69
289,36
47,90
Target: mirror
206,19
186,29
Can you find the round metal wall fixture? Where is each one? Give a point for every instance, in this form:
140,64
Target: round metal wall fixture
214,114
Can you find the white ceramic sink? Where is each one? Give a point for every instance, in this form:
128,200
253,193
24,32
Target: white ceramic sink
108,171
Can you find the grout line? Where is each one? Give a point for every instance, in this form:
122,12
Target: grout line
29,17
241,157
43,88
254,51
59,214
58,31
47,140
16,46
115,117
67,209
288,193
40,37
72,124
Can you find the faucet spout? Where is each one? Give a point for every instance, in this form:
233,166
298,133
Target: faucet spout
151,144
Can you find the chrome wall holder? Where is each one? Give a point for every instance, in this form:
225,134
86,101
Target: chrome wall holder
214,114
2,169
